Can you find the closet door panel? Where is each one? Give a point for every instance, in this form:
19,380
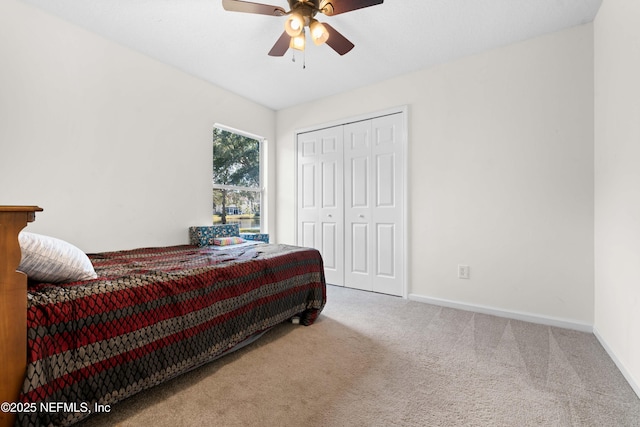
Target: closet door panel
308,151
332,204
329,185
359,174
360,258
308,183
385,180
358,273
308,235
320,198
357,177
387,214
329,246
385,250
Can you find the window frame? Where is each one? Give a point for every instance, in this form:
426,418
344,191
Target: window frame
262,187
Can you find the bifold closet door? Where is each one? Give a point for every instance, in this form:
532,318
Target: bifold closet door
373,193
320,198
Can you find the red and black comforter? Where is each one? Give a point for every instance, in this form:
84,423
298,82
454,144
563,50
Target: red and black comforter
153,314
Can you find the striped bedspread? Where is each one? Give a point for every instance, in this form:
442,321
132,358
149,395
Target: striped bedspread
153,314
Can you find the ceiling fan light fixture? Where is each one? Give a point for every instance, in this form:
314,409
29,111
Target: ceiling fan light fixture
294,24
298,42
319,33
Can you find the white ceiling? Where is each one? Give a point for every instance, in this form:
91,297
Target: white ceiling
230,49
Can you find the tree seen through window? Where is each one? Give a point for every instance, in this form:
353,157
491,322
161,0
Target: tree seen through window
237,190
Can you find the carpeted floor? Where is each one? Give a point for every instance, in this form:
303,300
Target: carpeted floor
376,360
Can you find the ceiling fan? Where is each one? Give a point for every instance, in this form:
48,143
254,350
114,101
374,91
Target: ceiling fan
300,15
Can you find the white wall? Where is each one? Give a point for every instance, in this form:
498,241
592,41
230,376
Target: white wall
617,183
500,174
116,147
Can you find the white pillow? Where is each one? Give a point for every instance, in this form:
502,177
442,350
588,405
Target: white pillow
47,259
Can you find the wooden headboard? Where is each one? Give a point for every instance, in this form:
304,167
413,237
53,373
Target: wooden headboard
13,306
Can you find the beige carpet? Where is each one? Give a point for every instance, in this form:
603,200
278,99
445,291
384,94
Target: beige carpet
375,360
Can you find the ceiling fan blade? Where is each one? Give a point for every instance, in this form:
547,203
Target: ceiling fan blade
336,7
248,7
337,41
281,46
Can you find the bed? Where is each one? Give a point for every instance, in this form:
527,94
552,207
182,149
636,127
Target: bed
75,348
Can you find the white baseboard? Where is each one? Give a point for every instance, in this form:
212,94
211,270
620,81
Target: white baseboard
526,317
632,381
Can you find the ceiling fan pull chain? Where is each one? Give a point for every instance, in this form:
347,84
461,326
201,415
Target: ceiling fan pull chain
304,59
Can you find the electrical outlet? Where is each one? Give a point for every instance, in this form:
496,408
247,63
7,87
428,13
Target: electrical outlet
463,271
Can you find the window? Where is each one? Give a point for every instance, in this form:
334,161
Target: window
237,179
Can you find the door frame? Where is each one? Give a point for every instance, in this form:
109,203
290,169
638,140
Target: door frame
404,110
